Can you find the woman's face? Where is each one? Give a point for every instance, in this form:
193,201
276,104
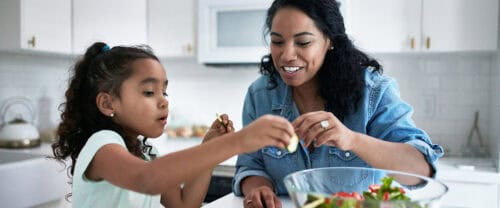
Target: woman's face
298,47
142,108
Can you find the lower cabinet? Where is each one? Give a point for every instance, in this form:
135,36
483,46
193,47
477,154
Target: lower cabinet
219,187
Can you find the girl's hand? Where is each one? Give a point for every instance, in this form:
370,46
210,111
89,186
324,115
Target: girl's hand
268,130
321,127
262,197
218,129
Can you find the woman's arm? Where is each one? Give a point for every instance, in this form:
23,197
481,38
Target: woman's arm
390,155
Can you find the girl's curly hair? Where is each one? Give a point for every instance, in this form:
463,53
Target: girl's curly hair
101,69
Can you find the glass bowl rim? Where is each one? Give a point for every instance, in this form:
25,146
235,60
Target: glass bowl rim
290,175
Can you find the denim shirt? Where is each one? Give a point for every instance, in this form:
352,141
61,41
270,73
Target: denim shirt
381,114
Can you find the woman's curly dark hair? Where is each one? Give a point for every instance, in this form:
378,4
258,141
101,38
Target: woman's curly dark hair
101,69
341,77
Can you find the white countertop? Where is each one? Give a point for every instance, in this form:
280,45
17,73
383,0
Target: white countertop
233,201
450,169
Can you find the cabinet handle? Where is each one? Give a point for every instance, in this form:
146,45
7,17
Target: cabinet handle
428,43
32,42
189,48
412,42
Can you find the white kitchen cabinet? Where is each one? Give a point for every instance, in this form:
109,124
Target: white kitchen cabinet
35,25
116,22
423,25
384,25
460,25
171,27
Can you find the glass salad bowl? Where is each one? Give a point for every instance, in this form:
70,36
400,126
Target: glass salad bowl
358,187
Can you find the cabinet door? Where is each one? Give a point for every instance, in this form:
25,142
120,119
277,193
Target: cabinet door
171,27
473,195
46,25
36,25
116,22
460,25
384,25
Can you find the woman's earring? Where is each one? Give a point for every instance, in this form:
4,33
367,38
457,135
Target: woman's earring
331,47
112,115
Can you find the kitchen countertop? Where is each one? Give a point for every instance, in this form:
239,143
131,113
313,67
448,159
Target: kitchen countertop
233,201
450,169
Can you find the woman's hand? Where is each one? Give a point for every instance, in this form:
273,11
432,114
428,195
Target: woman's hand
218,129
321,127
268,130
261,197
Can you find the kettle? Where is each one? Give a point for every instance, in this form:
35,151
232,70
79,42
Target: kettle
19,131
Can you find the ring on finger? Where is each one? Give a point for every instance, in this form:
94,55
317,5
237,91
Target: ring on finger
324,124
248,203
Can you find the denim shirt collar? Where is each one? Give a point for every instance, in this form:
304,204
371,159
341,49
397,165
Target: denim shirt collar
282,100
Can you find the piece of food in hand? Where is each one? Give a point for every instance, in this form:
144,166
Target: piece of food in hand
221,121
294,141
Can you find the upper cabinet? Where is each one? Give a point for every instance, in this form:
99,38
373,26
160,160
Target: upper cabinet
422,25
35,25
171,27
116,22
460,25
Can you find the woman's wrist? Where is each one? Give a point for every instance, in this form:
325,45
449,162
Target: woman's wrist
356,140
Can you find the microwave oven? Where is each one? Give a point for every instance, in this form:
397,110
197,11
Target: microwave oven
231,31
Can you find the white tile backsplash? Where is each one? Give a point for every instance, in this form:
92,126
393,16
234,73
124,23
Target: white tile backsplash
445,89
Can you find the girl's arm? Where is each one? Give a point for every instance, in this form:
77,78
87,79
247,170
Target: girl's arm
115,164
194,191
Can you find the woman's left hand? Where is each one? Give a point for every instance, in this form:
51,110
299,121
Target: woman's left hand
321,127
219,129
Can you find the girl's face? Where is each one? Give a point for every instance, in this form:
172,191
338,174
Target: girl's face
142,108
298,47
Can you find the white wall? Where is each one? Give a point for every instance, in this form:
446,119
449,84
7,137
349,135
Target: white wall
495,110
445,90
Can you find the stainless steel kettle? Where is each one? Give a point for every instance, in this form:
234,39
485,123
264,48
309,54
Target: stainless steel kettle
18,130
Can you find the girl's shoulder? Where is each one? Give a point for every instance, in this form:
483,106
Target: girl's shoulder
103,137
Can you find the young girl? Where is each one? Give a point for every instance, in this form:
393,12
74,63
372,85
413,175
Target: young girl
116,100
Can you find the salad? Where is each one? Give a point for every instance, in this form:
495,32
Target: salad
378,195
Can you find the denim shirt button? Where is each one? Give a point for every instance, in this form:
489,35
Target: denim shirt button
278,153
347,154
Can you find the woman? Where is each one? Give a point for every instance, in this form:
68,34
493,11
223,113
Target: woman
341,106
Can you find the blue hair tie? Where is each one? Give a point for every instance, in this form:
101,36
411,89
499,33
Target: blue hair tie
105,48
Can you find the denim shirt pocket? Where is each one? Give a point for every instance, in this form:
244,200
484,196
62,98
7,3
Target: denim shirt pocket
342,158
275,153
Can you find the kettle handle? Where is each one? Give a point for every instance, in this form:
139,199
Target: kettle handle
13,101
